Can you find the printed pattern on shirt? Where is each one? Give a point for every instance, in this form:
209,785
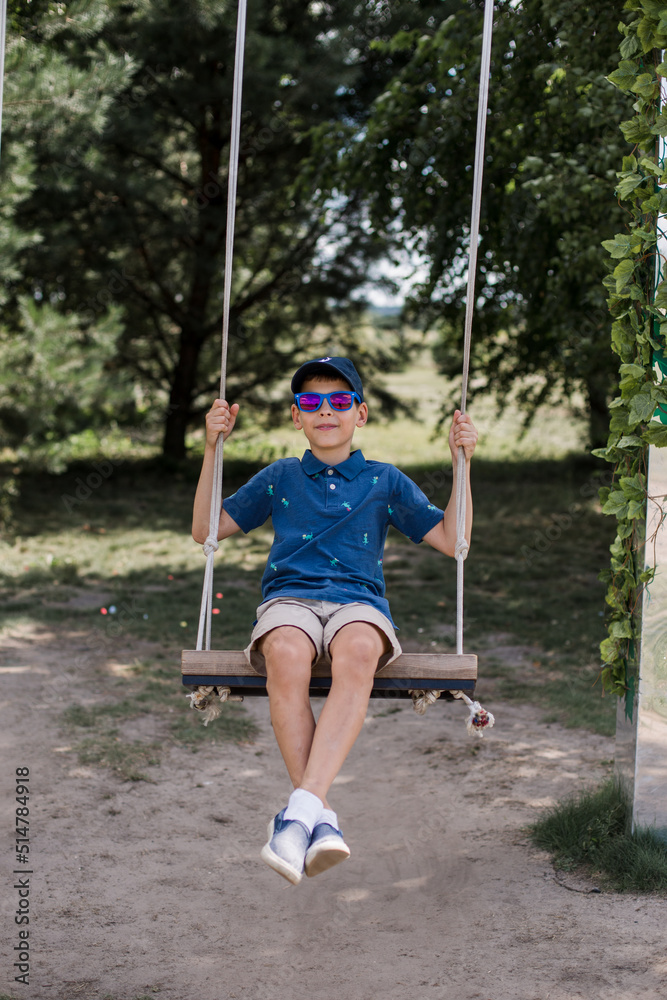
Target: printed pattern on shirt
328,542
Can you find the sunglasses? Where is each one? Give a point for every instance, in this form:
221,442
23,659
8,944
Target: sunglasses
310,402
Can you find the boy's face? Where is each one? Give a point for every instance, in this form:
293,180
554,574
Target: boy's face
326,428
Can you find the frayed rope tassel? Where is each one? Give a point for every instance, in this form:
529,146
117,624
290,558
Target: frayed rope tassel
203,700
479,719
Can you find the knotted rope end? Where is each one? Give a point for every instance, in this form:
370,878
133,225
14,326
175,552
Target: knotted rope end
478,719
203,700
422,699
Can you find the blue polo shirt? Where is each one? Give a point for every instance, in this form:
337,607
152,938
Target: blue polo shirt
330,525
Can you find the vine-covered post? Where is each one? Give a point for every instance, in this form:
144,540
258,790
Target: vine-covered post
648,771
635,651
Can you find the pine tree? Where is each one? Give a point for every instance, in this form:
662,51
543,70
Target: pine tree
54,375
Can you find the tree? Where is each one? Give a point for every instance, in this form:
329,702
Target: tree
55,378
552,150
133,213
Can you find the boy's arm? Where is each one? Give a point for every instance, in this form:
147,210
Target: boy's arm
219,420
462,434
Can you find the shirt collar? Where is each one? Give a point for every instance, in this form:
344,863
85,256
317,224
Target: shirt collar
349,469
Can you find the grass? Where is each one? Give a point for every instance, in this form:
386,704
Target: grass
590,832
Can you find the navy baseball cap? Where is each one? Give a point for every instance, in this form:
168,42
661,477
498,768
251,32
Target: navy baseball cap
342,367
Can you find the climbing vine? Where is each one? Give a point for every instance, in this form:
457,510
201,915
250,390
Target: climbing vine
638,304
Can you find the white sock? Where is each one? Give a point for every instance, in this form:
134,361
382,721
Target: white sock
329,816
305,807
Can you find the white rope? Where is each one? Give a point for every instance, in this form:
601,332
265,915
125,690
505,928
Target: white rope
3,38
211,543
422,699
461,549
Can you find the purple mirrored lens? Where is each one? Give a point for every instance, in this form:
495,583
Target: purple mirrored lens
341,400
310,401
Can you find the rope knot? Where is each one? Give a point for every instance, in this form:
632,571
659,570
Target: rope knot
461,549
210,545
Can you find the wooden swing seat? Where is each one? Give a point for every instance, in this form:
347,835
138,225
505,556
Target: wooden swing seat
410,671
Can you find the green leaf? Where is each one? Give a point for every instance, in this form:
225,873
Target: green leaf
660,124
617,504
652,8
628,47
646,86
621,630
629,441
633,487
622,245
609,650
636,130
633,371
656,435
625,75
623,274
646,34
629,182
660,300
636,508
650,167
642,407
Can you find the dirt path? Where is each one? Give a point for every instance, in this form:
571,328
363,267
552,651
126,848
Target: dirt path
142,890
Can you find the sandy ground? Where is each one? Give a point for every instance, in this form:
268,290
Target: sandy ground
142,890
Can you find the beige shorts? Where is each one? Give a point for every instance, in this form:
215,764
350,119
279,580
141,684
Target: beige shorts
320,620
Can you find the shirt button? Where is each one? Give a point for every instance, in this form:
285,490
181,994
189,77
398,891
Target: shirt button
332,486
329,472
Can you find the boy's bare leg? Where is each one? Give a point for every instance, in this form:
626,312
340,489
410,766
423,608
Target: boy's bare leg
289,653
314,755
355,651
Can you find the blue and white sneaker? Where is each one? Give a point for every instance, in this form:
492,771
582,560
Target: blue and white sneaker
286,848
327,848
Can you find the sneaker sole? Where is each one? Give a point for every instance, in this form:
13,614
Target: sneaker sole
325,854
273,861
280,866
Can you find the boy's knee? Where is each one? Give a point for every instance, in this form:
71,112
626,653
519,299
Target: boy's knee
287,647
355,656
360,642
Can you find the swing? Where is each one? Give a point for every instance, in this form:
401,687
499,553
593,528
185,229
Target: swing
225,675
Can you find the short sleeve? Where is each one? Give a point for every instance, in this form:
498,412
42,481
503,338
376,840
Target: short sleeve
252,504
410,510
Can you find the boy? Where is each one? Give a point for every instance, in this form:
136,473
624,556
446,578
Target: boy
323,588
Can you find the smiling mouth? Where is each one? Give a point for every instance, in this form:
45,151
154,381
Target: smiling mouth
326,427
